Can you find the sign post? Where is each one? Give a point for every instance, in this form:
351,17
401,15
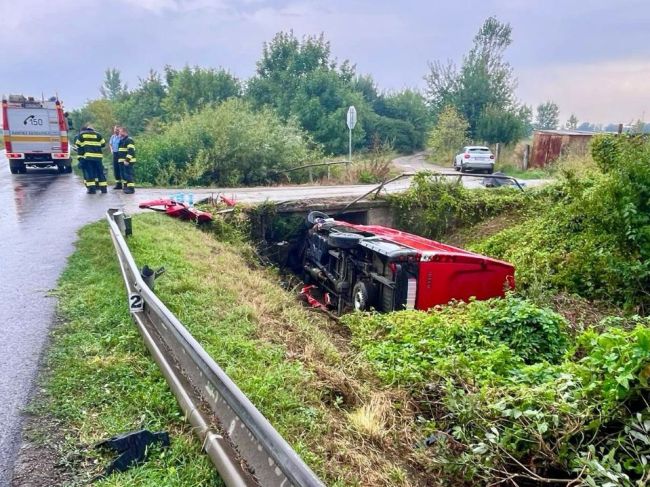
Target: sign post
352,121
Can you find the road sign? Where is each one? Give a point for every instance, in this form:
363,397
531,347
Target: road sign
352,117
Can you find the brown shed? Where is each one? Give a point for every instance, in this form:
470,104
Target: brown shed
548,145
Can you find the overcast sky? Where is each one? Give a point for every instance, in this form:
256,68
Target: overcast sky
592,57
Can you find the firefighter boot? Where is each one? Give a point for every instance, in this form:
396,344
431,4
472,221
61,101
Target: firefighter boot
118,185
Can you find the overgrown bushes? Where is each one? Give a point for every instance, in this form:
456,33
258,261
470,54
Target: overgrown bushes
435,206
587,234
591,235
229,144
506,393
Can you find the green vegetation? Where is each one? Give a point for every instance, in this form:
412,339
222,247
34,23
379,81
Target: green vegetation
481,91
310,91
507,393
448,135
102,382
593,237
229,145
509,390
434,207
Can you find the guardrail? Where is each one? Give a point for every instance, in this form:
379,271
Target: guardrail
240,441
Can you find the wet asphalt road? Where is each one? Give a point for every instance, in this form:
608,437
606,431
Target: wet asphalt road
40,213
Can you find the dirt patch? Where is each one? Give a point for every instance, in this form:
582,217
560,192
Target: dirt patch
580,312
40,460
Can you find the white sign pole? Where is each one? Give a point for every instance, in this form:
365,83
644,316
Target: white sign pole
352,121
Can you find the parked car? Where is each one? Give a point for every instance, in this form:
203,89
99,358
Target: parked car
475,158
348,266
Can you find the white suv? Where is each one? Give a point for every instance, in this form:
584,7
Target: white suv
475,158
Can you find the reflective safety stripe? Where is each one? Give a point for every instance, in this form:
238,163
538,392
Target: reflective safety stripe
130,146
103,183
90,183
130,185
91,143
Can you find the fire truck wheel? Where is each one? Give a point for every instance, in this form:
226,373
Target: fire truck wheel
343,240
362,296
316,215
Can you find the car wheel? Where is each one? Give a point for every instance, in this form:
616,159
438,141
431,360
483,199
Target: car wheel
343,240
463,168
362,296
316,215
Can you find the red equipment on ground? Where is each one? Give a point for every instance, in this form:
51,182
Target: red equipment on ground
177,210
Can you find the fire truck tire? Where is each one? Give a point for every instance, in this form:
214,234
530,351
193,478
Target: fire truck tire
316,215
343,240
363,296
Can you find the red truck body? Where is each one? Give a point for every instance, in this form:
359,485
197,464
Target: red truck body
365,266
447,272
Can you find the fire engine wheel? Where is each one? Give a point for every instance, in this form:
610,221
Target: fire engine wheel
316,215
343,240
362,296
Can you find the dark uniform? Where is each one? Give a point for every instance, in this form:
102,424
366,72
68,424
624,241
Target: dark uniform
90,146
126,153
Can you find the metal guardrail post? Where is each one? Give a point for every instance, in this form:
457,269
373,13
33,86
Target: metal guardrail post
244,447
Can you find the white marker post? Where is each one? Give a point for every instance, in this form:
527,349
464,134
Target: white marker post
352,121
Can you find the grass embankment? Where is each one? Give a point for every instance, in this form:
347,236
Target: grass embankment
102,382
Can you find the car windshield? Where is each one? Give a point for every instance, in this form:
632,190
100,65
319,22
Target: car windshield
483,150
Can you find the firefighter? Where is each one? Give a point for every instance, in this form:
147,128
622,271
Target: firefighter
90,146
126,155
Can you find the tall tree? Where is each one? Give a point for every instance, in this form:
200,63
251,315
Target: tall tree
448,135
572,123
112,88
192,89
484,83
548,116
142,108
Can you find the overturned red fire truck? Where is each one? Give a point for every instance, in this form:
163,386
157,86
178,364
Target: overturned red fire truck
348,266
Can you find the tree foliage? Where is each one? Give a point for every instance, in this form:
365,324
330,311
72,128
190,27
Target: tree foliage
112,88
228,144
191,89
483,85
572,122
548,116
299,79
448,135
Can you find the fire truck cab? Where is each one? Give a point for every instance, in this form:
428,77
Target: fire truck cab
35,134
